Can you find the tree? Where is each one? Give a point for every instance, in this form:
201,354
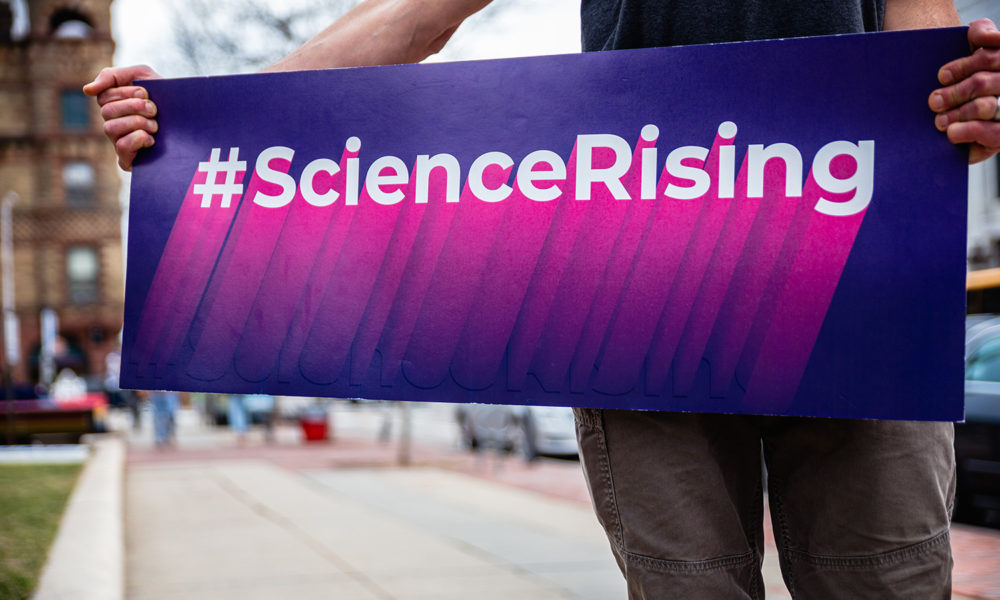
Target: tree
236,36
239,36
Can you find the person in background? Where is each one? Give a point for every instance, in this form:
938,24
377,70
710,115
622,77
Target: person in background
164,407
238,417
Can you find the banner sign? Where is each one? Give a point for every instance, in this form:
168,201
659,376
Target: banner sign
768,227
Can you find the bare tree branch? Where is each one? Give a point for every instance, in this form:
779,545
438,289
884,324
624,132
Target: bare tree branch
234,36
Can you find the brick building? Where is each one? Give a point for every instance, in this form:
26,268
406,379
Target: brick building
67,248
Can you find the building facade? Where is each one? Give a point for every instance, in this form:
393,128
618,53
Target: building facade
983,242
67,247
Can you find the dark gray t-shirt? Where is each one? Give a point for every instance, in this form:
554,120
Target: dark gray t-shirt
618,24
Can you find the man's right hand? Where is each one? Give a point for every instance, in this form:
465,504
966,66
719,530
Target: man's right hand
127,110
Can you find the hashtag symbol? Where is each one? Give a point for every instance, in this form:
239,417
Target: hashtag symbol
228,187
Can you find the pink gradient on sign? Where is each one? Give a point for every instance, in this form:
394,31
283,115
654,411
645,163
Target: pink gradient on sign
541,290
193,244
239,283
288,276
312,294
719,276
650,282
680,302
779,274
363,347
804,298
458,275
580,281
435,224
519,241
602,295
775,222
208,293
627,239
350,284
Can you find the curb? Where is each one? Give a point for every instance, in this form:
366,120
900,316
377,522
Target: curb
64,454
86,561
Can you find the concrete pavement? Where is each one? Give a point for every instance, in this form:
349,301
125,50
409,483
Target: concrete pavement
249,529
214,519
86,558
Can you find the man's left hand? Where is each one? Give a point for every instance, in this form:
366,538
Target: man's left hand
967,107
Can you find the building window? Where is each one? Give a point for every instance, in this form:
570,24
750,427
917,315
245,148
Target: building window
78,181
82,269
68,24
73,30
74,108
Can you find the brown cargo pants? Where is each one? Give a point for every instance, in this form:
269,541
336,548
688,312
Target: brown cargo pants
860,509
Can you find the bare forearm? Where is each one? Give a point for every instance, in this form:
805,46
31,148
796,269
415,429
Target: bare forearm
380,32
919,14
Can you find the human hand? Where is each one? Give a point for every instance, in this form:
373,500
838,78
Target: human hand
126,109
967,108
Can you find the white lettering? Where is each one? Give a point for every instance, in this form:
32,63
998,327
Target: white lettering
527,175
541,175
476,177
648,158
425,164
587,174
375,179
307,182
353,145
279,178
697,175
861,183
757,157
727,159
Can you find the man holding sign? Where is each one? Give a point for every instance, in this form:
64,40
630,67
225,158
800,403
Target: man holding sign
860,507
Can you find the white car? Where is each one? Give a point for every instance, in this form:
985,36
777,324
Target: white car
527,430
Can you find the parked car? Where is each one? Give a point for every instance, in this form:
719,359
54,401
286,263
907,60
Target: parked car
530,431
977,441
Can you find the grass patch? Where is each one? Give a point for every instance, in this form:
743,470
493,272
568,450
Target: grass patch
32,499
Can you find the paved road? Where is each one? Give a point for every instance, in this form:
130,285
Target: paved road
218,519
249,529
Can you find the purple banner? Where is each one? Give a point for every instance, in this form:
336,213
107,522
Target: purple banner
767,227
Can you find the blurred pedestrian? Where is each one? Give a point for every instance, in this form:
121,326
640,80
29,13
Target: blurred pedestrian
238,417
118,397
164,405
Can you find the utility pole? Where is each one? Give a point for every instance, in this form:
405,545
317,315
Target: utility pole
405,451
11,328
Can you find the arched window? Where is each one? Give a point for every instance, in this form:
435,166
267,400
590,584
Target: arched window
73,30
70,25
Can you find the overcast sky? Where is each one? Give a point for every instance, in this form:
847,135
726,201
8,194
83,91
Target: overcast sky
523,28
507,28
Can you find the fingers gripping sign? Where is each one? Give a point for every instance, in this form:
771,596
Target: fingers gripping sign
968,107
128,113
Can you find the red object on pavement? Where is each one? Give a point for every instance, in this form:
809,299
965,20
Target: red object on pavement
315,429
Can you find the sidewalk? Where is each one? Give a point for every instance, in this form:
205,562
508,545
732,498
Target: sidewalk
289,520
